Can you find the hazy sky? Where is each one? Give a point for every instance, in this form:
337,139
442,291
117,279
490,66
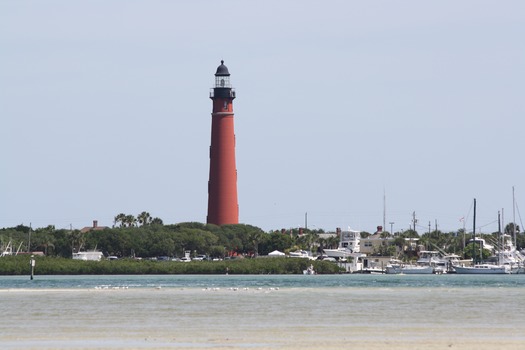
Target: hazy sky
104,108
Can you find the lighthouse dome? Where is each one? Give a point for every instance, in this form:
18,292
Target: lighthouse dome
222,69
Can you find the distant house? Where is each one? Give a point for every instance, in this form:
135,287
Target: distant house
373,243
95,227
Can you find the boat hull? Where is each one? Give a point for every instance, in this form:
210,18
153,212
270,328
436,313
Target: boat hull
410,270
338,253
482,270
371,271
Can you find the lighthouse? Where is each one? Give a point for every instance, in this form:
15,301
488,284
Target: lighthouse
223,207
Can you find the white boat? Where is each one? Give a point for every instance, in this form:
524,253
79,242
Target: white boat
429,257
398,267
508,255
480,242
440,261
367,264
88,256
485,269
455,260
371,270
186,257
301,254
481,268
309,271
348,245
434,259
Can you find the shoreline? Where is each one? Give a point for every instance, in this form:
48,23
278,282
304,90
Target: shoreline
227,343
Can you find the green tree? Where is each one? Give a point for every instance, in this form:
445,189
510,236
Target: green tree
276,241
130,221
410,234
473,250
43,240
384,234
255,237
385,250
332,242
308,240
22,228
77,241
144,218
509,228
120,218
156,221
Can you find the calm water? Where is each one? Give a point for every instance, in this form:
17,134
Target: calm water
264,312
255,281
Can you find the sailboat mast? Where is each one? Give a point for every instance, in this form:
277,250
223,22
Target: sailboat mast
474,231
514,217
500,238
384,210
499,222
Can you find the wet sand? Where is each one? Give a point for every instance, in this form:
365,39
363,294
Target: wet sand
266,318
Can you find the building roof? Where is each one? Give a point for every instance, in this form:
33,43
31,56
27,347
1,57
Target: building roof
95,227
222,70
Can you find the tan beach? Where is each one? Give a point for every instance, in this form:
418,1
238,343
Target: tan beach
262,318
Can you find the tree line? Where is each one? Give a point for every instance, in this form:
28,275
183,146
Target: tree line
145,236
150,239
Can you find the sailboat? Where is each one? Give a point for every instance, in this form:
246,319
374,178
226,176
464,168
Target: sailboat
509,256
8,250
483,268
507,252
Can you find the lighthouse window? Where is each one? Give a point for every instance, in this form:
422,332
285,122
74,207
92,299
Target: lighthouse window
225,105
222,82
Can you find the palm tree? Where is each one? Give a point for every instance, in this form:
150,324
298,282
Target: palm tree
311,238
157,221
322,244
77,240
509,228
332,242
255,238
384,234
130,221
144,218
120,218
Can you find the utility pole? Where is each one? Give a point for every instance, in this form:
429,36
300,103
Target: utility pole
414,220
384,209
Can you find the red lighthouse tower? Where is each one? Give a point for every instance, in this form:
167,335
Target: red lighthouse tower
223,207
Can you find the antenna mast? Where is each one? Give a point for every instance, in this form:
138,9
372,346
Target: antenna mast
384,210
474,231
414,220
513,216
